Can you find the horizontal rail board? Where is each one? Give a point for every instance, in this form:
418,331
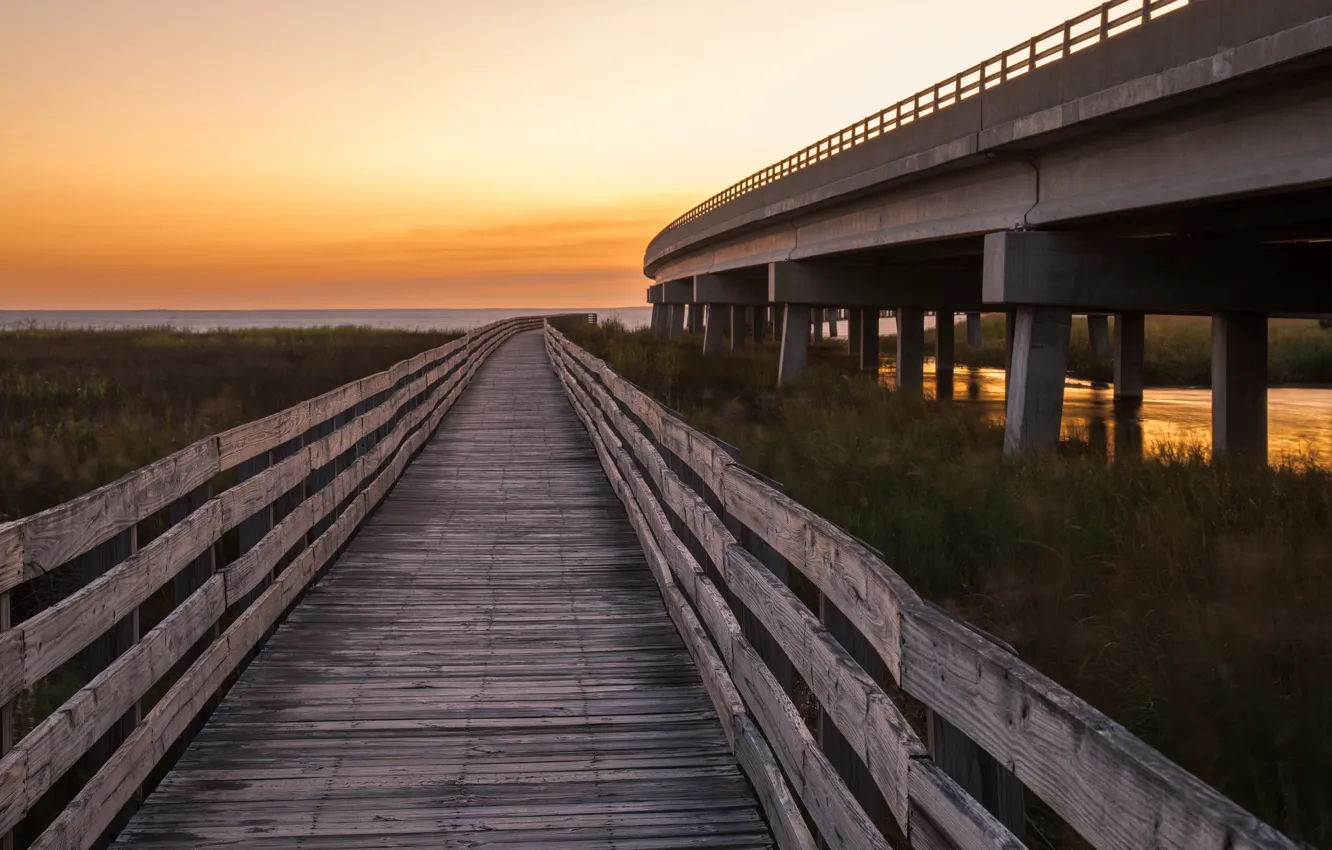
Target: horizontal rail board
1114,789
53,636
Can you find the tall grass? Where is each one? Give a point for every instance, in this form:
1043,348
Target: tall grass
1178,351
1189,601
80,408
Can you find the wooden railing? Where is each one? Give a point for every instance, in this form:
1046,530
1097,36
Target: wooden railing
725,546
1096,25
232,562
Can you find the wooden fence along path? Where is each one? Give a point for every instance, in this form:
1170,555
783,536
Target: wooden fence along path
489,663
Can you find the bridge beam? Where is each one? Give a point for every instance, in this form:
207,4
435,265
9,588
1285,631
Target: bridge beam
731,288
1168,274
827,284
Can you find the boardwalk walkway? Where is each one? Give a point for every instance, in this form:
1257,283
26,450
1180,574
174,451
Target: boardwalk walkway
489,664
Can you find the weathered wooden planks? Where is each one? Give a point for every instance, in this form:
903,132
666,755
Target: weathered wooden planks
52,636
488,663
1114,789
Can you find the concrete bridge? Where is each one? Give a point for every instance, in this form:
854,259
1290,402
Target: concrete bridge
497,596
1149,156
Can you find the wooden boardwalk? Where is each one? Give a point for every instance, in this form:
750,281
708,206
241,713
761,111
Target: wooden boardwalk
489,664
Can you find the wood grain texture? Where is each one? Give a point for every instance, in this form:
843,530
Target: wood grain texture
872,724
54,635
487,663
56,744
53,537
839,817
60,534
1114,789
753,752
9,784
1117,791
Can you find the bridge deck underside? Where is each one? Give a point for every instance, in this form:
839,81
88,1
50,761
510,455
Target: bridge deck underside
489,664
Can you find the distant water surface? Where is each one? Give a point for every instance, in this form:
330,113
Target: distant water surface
207,320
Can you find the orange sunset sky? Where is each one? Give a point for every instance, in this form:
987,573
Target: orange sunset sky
209,154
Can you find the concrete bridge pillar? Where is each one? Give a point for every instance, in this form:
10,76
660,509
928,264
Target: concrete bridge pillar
868,340
1130,338
795,342
758,321
854,321
1098,333
816,318
1039,361
974,337
677,321
738,329
944,339
714,337
832,323
695,318
910,349
1239,385
657,324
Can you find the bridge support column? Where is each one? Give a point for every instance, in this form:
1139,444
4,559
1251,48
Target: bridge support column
714,336
910,349
1098,333
832,323
695,318
816,320
974,337
677,327
657,323
758,321
1239,385
1039,355
944,340
868,357
853,323
1130,338
738,329
795,343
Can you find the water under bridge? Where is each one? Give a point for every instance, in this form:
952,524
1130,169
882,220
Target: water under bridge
497,596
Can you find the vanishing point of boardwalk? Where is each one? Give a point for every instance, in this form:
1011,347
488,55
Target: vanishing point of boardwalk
489,664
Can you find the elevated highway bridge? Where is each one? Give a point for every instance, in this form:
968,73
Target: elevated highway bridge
1144,157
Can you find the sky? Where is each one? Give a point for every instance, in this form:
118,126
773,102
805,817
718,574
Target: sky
355,154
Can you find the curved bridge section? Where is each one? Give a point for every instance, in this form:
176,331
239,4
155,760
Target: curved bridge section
1141,158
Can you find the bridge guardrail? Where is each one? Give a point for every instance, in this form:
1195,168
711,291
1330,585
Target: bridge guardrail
1091,27
873,639
306,478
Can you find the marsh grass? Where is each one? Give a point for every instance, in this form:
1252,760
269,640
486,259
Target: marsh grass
1188,601
80,408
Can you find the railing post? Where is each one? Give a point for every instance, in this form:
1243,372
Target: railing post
1105,20
6,713
976,771
106,649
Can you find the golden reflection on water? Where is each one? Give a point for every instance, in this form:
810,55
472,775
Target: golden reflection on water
1299,419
